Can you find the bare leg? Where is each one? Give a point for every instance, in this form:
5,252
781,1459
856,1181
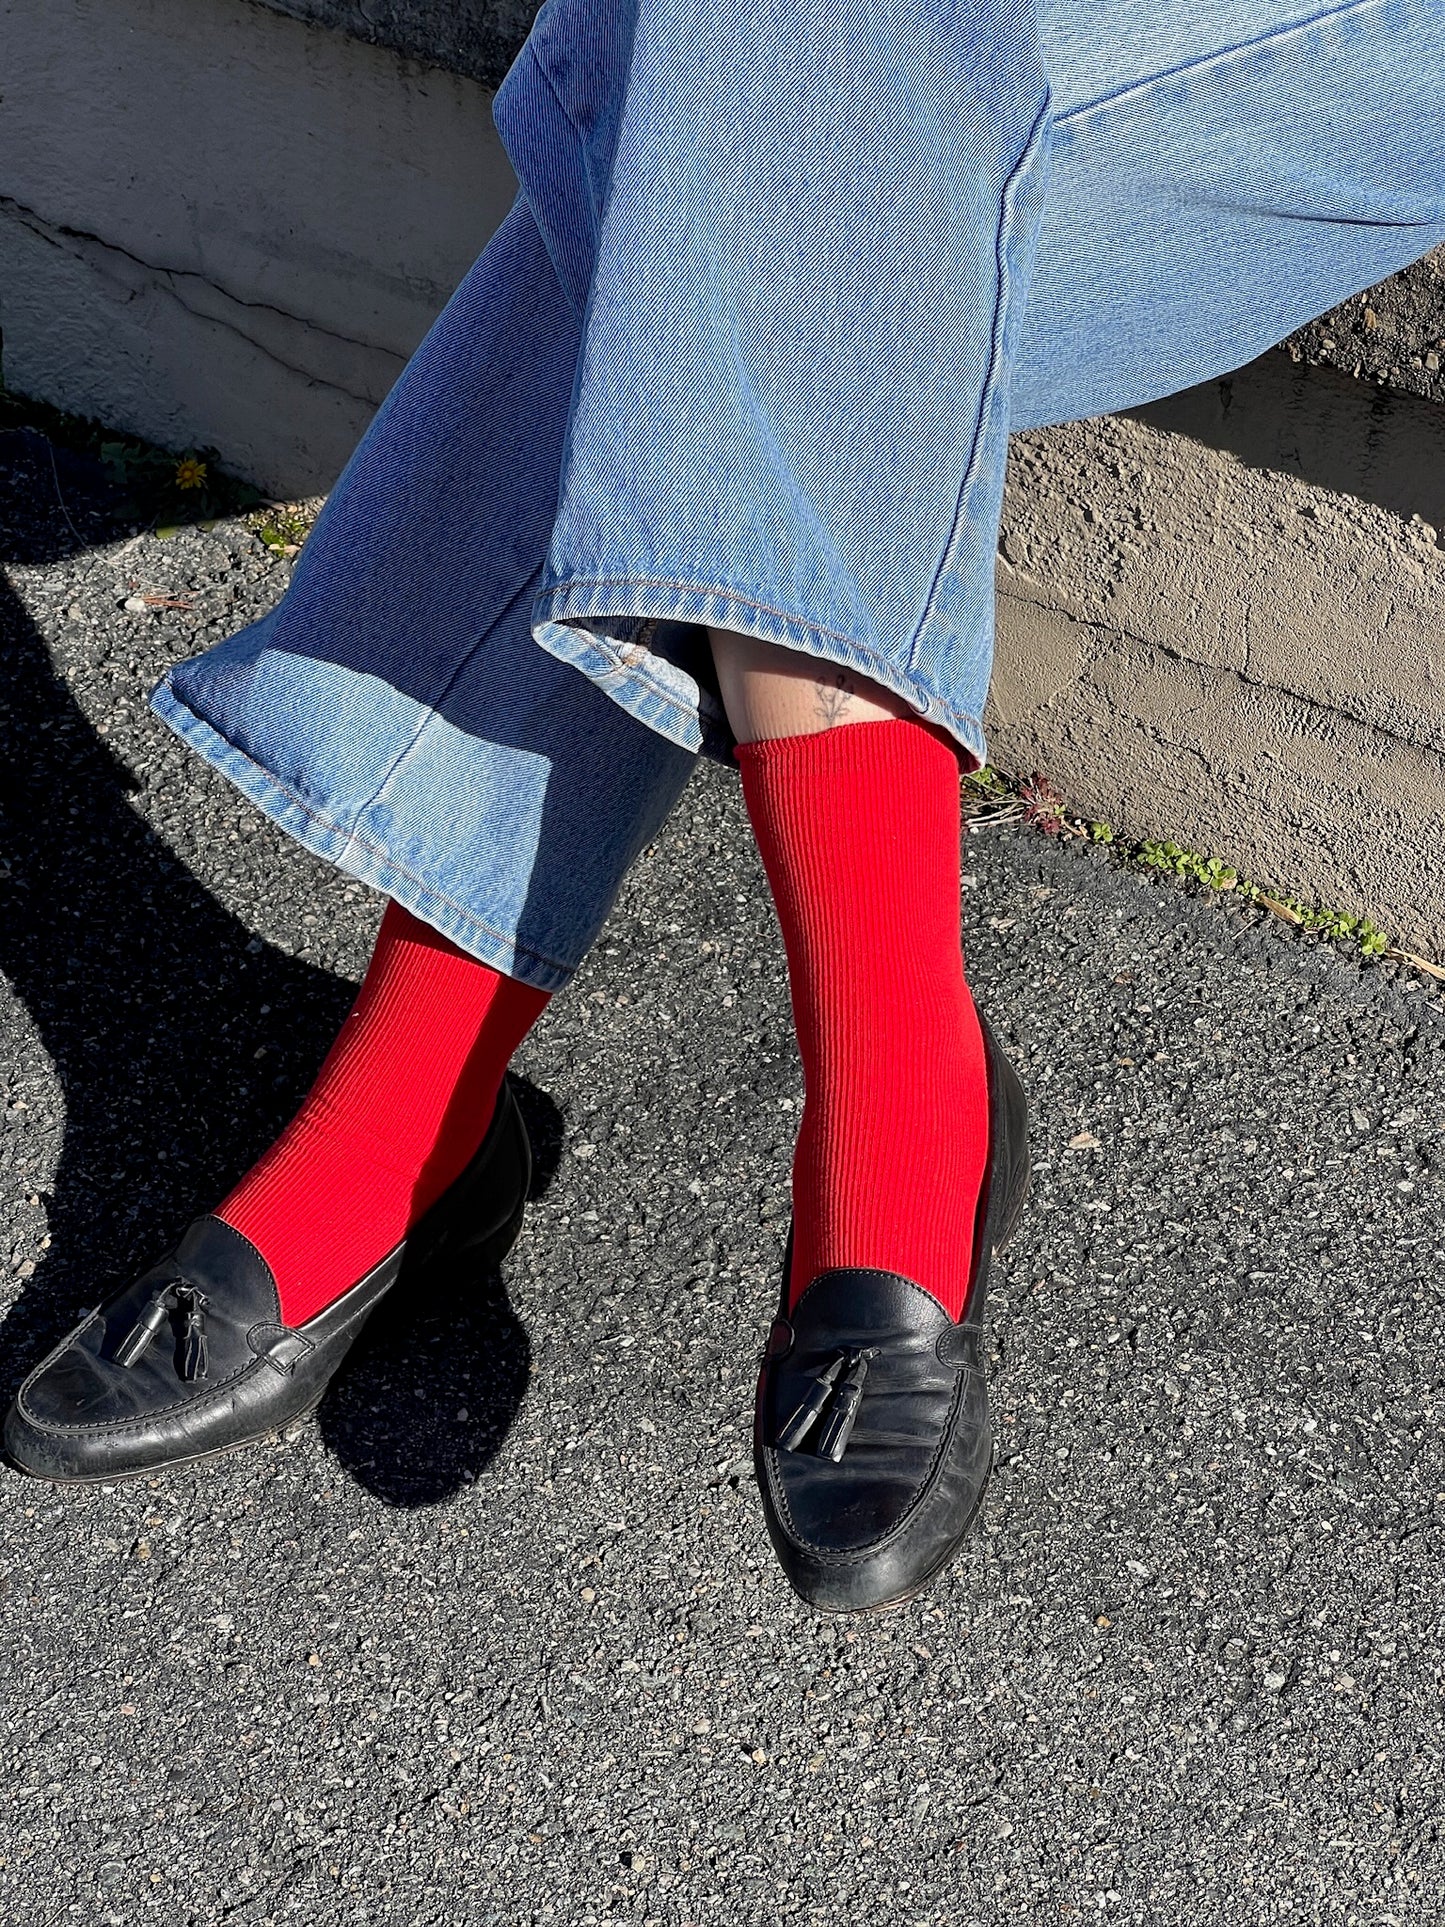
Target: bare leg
770,691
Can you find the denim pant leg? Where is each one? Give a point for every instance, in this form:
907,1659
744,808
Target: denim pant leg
393,712
830,253
801,234
1221,171
762,308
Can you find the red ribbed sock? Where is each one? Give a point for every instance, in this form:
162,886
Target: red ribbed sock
859,829
396,1113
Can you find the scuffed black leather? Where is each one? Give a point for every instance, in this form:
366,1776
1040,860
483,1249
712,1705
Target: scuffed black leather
874,1528
81,1416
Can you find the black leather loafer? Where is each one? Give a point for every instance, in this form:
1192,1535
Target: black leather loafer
871,1438
193,1358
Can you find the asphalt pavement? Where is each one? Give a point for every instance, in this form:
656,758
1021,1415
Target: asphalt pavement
498,1638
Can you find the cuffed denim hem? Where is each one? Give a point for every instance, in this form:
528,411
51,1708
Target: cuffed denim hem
601,625
358,856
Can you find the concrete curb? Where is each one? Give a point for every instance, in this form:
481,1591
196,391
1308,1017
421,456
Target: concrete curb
1221,620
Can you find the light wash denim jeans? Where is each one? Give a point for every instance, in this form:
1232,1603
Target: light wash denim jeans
780,278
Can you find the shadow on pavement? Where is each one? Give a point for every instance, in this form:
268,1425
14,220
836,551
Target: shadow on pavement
151,1001
433,1387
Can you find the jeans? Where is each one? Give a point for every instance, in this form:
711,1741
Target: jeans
779,280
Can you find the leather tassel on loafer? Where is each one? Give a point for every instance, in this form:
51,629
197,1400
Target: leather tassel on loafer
193,1357
871,1439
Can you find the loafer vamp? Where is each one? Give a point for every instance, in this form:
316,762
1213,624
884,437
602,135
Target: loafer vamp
81,1406
80,1385
919,1447
906,1410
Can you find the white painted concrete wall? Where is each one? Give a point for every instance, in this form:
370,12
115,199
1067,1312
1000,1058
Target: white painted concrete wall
221,226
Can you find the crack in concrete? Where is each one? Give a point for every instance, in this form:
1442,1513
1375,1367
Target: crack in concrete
1315,705
1310,703
171,281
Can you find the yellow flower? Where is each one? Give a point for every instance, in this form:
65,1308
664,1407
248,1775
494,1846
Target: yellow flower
190,473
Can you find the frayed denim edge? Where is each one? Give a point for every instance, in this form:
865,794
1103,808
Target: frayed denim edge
564,623
356,857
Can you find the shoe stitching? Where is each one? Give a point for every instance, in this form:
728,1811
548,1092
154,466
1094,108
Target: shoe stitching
118,1427
872,1271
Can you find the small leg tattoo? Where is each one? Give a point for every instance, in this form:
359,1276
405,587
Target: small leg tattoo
834,696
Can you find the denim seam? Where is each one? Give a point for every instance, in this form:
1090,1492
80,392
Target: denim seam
349,837
1214,58
633,668
639,667
694,588
989,388
636,668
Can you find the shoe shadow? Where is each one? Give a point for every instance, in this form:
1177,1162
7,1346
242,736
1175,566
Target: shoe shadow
153,1005
436,1381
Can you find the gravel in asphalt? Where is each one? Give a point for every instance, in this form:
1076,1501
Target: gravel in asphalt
499,1638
